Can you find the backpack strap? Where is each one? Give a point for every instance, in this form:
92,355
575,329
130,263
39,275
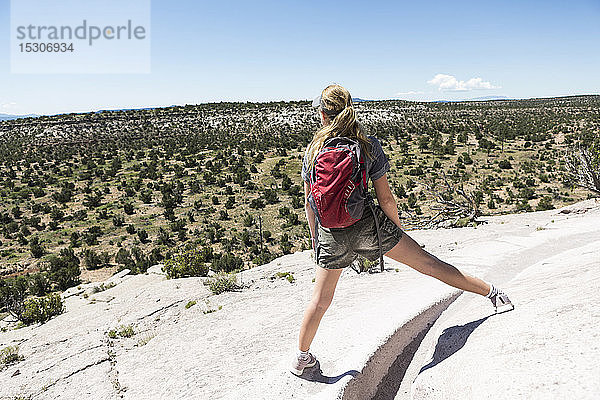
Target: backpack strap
371,204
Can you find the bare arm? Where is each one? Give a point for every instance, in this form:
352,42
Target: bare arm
386,199
310,215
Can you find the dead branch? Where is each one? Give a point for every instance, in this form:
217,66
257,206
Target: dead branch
583,170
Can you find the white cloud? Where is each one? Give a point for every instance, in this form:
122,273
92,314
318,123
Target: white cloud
409,93
7,106
450,83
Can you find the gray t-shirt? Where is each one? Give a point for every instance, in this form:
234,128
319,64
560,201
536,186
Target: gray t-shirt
376,167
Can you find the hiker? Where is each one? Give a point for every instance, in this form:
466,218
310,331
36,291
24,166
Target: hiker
345,223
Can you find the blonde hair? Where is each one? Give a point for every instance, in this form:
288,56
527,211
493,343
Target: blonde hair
340,111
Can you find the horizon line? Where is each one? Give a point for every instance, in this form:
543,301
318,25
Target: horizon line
357,99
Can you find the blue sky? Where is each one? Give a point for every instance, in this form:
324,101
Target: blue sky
288,50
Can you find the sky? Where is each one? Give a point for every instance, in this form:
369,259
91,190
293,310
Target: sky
258,50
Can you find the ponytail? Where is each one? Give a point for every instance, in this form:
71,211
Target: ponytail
338,102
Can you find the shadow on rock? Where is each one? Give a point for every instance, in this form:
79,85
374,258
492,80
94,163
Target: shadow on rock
452,340
314,374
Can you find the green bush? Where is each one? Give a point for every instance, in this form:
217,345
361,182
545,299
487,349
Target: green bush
9,355
94,260
39,284
222,282
286,275
248,220
505,164
190,303
37,250
544,204
123,258
64,269
227,262
263,258
126,331
12,295
41,309
188,262
137,261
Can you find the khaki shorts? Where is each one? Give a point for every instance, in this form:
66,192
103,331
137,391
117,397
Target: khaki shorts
338,247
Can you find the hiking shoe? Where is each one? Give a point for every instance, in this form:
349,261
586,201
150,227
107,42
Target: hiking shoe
500,300
300,363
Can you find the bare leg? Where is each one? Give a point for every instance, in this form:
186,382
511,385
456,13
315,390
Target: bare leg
408,252
325,283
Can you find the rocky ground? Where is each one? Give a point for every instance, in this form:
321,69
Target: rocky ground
381,338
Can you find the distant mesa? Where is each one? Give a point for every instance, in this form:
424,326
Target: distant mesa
7,117
485,98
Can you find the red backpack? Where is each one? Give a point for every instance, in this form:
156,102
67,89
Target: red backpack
338,186
338,183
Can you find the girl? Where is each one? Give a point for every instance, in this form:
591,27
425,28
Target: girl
336,248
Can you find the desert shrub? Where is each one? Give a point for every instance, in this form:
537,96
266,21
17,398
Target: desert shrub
142,235
466,158
523,205
63,270
90,235
93,260
145,339
267,234
12,295
9,355
102,287
505,164
128,209
141,261
362,264
283,211
284,243
190,303
118,220
257,203
39,284
36,248
292,219
263,258
527,193
124,258
248,220
222,282
227,262
41,309
188,262
544,204
126,331
297,201
284,275
74,239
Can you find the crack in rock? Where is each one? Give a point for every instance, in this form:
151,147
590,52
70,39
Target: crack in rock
69,356
161,309
97,362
